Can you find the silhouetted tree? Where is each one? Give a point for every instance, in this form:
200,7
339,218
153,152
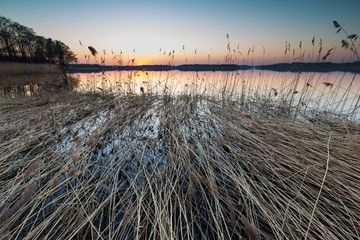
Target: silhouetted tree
59,53
20,43
50,50
5,38
22,38
63,54
40,50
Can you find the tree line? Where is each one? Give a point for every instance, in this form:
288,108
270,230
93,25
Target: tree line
19,43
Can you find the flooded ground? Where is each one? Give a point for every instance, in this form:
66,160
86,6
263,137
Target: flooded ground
332,92
335,92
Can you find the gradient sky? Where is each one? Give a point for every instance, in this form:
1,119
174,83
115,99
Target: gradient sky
148,26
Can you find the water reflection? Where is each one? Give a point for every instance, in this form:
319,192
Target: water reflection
335,92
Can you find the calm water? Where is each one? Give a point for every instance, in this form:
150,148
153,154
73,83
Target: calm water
336,91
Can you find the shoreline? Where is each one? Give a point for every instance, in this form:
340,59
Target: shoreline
17,68
279,67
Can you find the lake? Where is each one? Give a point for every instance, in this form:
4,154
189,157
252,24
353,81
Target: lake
333,92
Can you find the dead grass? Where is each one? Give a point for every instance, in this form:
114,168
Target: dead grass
12,68
96,166
18,78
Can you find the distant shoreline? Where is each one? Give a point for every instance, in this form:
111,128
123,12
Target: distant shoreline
280,67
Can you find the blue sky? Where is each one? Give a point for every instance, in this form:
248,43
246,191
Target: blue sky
147,26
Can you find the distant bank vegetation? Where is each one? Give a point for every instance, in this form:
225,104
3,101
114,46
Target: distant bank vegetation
19,43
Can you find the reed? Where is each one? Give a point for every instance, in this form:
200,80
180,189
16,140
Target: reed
125,166
15,68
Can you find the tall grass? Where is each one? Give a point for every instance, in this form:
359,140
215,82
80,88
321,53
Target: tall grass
12,68
290,94
105,166
19,79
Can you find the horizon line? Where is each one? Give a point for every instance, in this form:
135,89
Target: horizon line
293,67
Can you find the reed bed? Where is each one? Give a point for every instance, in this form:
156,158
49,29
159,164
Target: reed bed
148,166
16,68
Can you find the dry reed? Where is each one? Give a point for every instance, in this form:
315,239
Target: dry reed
98,166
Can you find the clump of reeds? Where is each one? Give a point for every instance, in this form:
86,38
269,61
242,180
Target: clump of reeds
350,41
100,166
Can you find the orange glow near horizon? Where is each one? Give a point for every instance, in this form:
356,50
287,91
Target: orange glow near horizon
248,56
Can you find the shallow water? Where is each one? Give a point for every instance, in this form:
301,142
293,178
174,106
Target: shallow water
332,92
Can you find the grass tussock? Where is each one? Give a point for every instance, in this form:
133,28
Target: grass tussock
96,166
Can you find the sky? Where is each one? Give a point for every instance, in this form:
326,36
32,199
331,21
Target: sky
191,31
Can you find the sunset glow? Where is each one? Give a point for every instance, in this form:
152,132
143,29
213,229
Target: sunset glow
182,32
